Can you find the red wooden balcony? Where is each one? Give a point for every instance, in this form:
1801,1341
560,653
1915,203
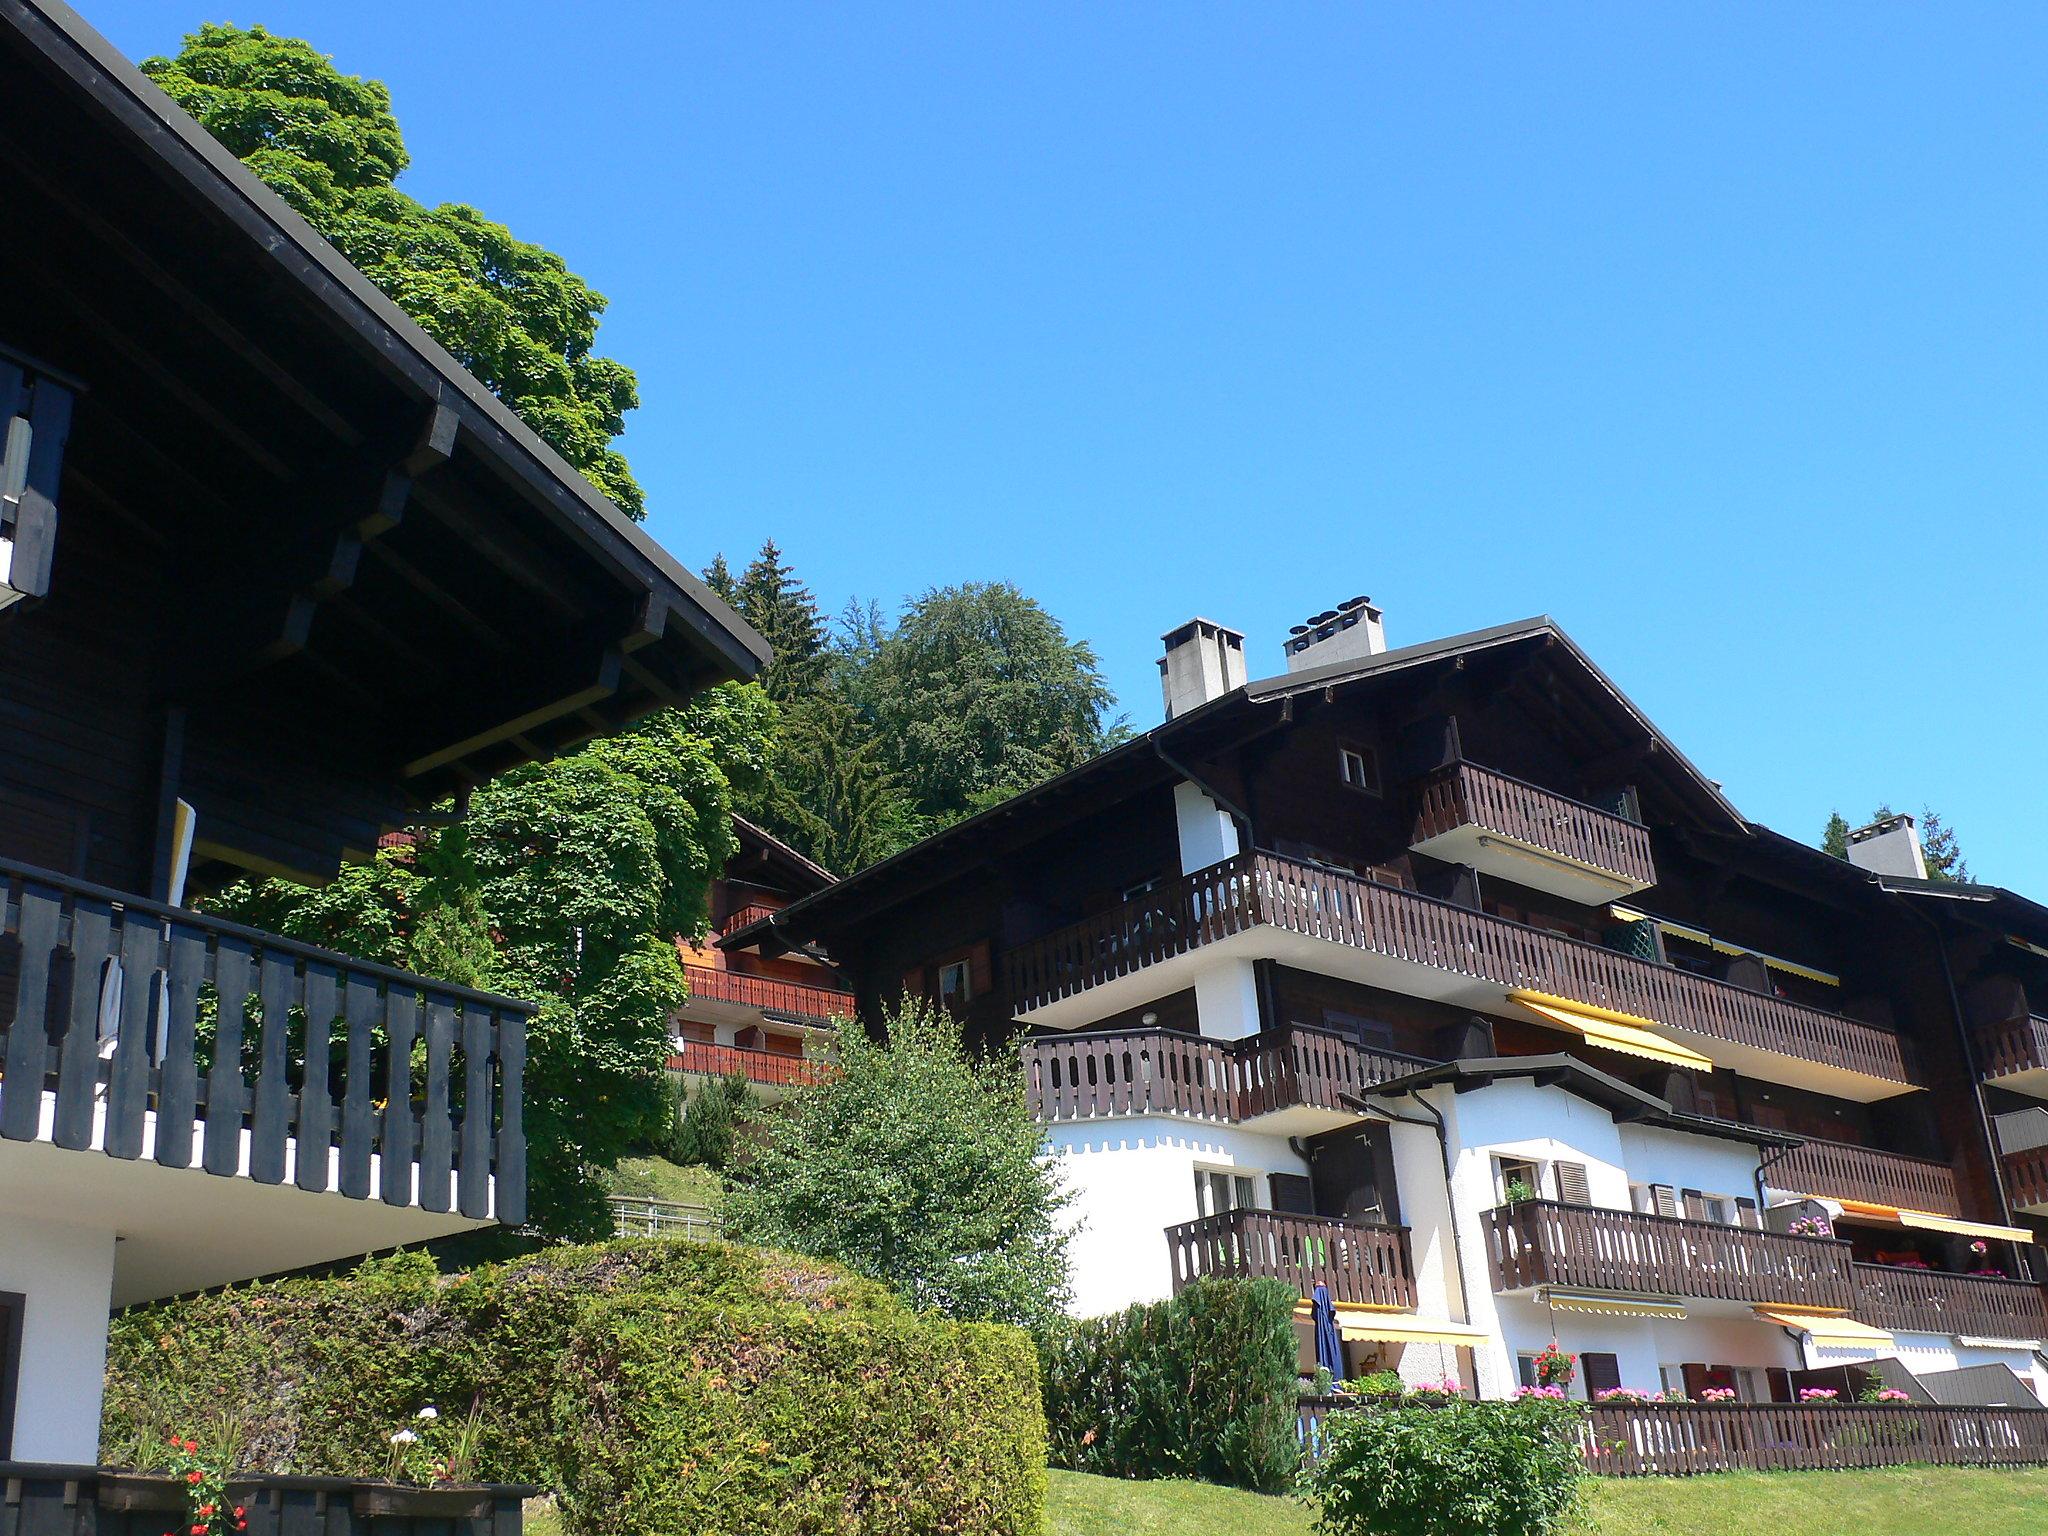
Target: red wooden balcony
797,1001
1842,1171
1362,1265
1931,1301
1417,944
1503,825
769,1069
1541,1242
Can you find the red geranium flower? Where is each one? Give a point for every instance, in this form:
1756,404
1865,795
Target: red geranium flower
195,1477
191,1447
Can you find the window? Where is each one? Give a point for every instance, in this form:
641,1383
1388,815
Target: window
956,984
1359,767
1600,1372
1525,1368
1219,1189
1517,1178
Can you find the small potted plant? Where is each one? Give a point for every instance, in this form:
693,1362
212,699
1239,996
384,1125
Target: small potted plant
1819,1397
1809,1226
190,1482
1620,1395
431,1470
1517,1192
1980,1251
1429,1394
1555,1368
1717,1394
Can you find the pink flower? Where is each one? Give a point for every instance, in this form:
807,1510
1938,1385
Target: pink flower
1717,1395
1818,1394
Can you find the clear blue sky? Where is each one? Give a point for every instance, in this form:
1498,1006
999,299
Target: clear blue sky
1714,331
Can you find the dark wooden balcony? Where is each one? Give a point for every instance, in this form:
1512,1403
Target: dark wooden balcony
1525,833
2014,1053
1162,1072
1541,1242
2026,1178
1434,948
1362,1265
798,1001
1930,1301
309,1075
1843,1171
1673,1439
768,1069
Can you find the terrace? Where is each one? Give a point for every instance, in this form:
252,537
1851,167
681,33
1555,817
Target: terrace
797,1001
1503,825
1362,1265
1264,906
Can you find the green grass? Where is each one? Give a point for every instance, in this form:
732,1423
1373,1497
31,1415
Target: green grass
1905,1501
655,1178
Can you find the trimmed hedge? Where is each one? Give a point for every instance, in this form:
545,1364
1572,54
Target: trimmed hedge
661,1387
1202,1386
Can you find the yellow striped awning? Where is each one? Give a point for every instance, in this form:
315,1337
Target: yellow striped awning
1832,1328
1405,1328
1707,940
1612,1306
1623,1032
1928,1221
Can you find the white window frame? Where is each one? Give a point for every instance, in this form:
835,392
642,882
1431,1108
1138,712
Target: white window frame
1243,1189
1365,777
1539,1175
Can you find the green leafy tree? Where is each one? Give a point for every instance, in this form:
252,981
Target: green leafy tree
978,694
566,883
512,312
919,1167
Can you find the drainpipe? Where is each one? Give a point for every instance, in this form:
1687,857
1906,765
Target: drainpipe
1443,1147
1970,1065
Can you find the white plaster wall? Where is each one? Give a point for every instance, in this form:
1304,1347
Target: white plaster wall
1131,1180
66,1276
1923,1352
1227,1000
1642,1346
1208,834
1654,1155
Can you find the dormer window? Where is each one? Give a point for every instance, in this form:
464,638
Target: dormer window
1359,768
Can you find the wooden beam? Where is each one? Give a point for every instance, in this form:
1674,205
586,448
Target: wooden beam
600,682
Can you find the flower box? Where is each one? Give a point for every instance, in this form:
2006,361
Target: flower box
136,1491
446,1501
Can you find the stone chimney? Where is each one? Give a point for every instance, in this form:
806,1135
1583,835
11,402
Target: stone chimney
1349,632
1889,847
1203,661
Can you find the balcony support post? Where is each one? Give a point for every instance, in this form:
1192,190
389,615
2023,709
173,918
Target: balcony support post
1227,1000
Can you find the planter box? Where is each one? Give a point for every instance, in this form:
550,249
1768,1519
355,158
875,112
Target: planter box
39,1499
402,1501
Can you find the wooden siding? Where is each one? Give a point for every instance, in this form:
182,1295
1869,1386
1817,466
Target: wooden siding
1159,1072
1541,1242
297,1063
1465,794
1362,1265
1930,1301
1848,1172
1248,891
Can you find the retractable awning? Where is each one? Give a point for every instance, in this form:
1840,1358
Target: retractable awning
1929,1221
1405,1328
1720,946
1830,1328
1624,1032
1611,1306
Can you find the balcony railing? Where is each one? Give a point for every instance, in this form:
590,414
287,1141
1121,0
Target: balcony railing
1666,1439
54,1500
769,1068
1541,1242
1160,1072
2026,1177
798,1001
2016,1045
1464,794
309,1073
1929,1301
1263,889
1844,1171
1362,1265
746,916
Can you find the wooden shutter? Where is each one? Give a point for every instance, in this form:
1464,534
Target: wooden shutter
1293,1193
1601,1371
1695,1206
1747,1215
1781,1383
1696,1380
1665,1198
981,976
1572,1187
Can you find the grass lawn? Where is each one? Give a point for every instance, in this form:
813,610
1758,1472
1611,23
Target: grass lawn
1906,1501
655,1178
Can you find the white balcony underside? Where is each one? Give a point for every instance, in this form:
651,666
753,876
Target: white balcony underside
1326,957
184,1229
1510,858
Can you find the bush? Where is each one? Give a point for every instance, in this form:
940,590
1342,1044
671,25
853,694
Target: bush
1466,1469
1201,1386
659,1386
707,1123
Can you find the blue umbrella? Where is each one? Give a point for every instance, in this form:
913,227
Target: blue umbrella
1329,1345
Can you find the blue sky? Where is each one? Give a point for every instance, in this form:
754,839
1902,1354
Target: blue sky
1713,331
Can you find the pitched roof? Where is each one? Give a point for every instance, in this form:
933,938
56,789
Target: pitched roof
1235,716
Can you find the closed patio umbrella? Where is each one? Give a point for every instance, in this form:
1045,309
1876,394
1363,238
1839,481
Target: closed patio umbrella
1329,1345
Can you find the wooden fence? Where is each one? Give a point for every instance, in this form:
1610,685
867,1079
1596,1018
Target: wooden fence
2012,1045
1653,1439
1464,794
308,1073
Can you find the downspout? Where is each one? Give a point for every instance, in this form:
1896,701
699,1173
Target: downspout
1443,1147
1955,1006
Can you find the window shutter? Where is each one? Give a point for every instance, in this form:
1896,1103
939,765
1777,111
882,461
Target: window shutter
1667,1205
1696,1380
1572,1188
1781,1383
1602,1372
1293,1194
1695,1206
1747,1215
980,975
913,982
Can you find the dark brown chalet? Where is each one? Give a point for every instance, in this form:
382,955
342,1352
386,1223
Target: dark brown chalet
1470,849
276,575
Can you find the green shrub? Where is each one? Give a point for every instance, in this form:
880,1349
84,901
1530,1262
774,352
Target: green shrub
707,1123
1201,1386
1467,1469
742,1384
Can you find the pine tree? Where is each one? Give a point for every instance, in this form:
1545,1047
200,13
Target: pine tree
718,577
785,614
833,795
1835,839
